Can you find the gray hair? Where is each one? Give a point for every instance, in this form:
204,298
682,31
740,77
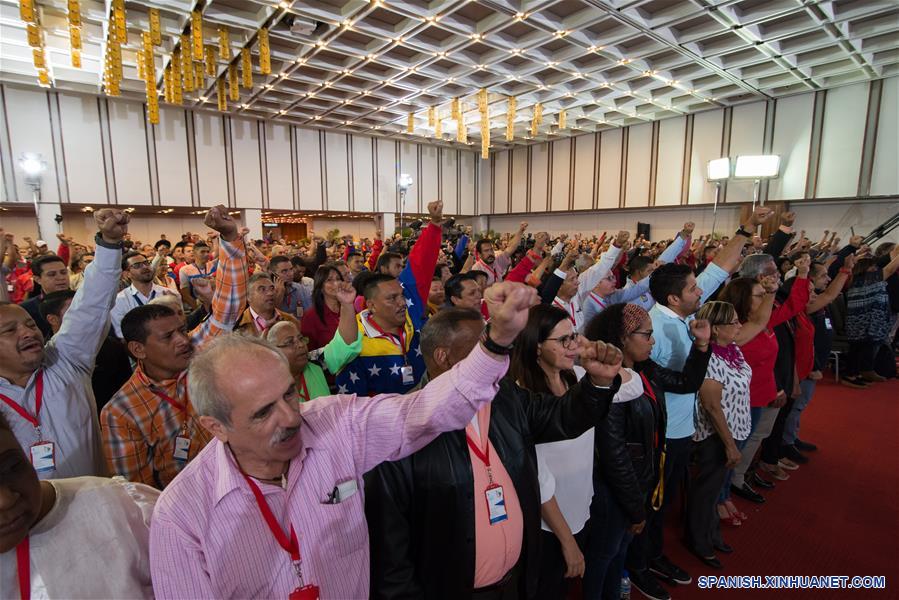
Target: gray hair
754,265
168,299
202,374
256,276
440,330
583,262
268,333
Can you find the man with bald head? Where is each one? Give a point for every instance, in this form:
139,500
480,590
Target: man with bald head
45,391
272,507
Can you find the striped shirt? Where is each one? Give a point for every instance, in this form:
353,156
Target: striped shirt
138,426
209,540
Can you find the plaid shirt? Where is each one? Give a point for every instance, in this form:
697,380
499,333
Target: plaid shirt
139,426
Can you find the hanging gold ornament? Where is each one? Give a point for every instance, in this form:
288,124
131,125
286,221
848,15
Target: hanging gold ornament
121,31
187,67
482,99
510,118
454,109
265,57
431,116
438,128
537,118
485,135
210,61
74,13
76,58
246,68
177,89
563,119
224,44
196,33
167,87
199,76
26,11
155,27
39,59
462,133
34,35
220,94
43,78
233,92
141,69
146,57
410,123
75,38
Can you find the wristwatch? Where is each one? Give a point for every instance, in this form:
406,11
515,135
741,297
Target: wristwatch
99,241
493,346
742,231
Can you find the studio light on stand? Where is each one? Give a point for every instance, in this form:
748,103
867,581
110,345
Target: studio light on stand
404,183
718,171
757,167
33,167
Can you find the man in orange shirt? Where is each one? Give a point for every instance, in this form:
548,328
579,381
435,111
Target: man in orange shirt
460,518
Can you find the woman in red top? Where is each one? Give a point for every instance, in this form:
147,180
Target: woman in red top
320,323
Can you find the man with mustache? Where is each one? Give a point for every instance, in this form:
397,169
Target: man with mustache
45,391
149,427
492,264
142,289
273,506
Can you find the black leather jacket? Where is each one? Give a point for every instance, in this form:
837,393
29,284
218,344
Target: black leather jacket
420,509
627,455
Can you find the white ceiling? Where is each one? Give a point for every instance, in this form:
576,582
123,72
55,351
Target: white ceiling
607,64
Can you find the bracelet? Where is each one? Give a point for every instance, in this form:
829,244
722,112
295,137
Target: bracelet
99,241
493,347
742,231
845,270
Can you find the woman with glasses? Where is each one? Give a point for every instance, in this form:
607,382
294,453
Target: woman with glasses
630,449
543,361
309,376
723,424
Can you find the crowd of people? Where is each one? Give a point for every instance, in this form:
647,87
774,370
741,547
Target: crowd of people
445,415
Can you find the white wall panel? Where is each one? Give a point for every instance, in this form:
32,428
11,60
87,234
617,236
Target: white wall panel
747,135
539,177
337,171
278,166
706,146
792,136
469,182
310,175
609,168
670,162
429,183
885,176
212,175
501,165
519,179
561,174
28,119
584,176
127,130
247,176
171,157
83,149
362,177
639,148
841,141
409,164
450,184
386,175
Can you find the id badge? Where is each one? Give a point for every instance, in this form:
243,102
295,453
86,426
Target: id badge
827,323
408,375
43,456
496,504
307,592
182,448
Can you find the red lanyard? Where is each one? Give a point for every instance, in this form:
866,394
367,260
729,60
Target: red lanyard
181,406
569,310
647,389
23,566
400,342
291,545
305,393
35,420
489,268
483,455
598,300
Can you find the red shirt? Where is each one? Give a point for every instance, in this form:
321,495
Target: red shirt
804,341
761,353
319,332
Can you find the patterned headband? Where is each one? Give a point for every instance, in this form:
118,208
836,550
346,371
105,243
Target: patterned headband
632,317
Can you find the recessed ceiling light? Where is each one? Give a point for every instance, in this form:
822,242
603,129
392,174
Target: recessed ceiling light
203,98
317,117
521,16
476,36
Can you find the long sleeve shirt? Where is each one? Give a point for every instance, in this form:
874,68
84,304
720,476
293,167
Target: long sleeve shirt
68,415
140,427
130,298
209,540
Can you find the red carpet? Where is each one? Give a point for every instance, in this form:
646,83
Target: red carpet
836,515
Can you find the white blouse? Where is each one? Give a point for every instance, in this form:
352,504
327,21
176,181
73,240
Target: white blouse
734,399
94,543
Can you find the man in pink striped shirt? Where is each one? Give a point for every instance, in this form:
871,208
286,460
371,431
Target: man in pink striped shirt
274,504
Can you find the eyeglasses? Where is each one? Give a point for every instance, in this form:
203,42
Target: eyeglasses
139,265
293,341
567,341
646,334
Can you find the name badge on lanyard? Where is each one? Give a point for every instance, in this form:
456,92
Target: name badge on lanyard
42,452
182,448
493,494
408,374
827,323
